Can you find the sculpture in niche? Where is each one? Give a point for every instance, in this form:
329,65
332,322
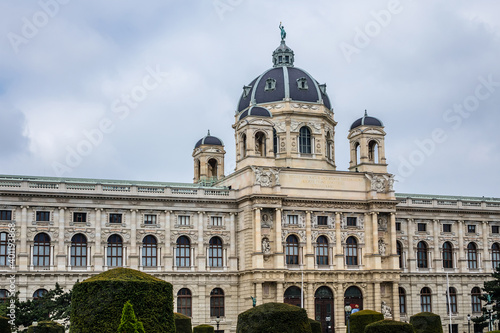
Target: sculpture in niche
266,246
382,223
386,310
381,247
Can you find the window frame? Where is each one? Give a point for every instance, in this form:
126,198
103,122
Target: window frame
471,228
322,220
79,217
495,255
150,219
216,221
322,253
41,251
447,227
184,220
185,302
351,251
472,256
5,215
292,250
78,251
42,216
4,250
422,255
149,251
351,221
292,219
217,303
421,227
476,305
114,251
215,252
453,302
426,299
115,218
402,300
183,252
447,255
305,140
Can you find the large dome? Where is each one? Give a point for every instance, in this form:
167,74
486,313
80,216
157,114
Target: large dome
283,82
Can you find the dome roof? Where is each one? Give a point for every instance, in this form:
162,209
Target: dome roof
366,120
283,82
255,111
209,140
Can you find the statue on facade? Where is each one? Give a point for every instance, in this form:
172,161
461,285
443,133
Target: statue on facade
254,301
283,32
381,247
266,246
386,310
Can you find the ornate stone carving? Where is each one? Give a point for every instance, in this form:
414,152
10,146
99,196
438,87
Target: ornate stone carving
266,246
381,247
265,177
359,235
280,127
382,222
386,310
378,183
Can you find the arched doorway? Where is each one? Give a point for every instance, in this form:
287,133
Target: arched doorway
292,296
354,298
323,308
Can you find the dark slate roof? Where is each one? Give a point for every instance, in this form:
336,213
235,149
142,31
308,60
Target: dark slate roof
366,120
209,140
255,111
286,87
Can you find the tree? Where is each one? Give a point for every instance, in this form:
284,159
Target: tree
129,323
491,289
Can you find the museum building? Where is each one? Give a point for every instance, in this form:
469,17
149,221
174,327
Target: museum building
285,226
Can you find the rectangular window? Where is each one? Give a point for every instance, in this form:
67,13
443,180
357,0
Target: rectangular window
446,227
352,221
79,217
322,220
183,219
43,216
5,215
293,219
495,229
149,219
471,228
398,226
115,218
216,220
421,226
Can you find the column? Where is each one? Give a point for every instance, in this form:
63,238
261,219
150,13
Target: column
338,243
368,234
61,258
233,258
309,255
98,257
201,254
23,251
377,260
377,302
309,299
437,265
278,251
340,324
485,264
279,292
461,255
395,302
411,250
394,251
258,293
258,260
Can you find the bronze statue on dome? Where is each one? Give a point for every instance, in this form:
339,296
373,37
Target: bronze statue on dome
283,32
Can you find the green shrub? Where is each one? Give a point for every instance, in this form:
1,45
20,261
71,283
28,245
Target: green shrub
46,327
4,325
361,319
182,323
272,318
97,303
129,323
426,322
315,326
389,326
203,329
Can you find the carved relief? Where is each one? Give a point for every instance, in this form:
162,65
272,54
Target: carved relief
266,177
280,127
359,235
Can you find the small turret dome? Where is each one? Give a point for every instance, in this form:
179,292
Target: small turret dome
255,111
366,120
209,140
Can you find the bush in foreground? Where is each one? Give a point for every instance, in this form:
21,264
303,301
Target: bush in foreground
315,326
182,323
361,319
389,326
426,322
203,329
4,325
274,318
97,303
46,327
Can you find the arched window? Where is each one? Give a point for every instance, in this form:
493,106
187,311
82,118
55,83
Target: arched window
373,151
452,301
275,142
39,293
79,251
115,251
475,300
243,145
323,306
447,255
260,144
322,251
422,250
357,151
41,250
4,249
402,300
353,297
183,252
351,253
305,140
472,256
149,251
184,302
292,250
293,296
425,300
399,251
198,169
212,168
495,255
215,252
217,303
4,295
329,146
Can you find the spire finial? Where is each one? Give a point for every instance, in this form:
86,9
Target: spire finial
366,113
208,133
283,32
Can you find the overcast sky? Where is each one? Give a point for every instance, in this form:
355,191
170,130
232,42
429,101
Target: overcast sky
123,90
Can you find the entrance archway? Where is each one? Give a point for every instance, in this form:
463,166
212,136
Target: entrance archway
323,308
354,298
292,296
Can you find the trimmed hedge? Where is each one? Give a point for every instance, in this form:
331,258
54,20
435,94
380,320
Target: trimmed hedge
97,303
426,322
204,328
315,326
4,325
46,327
273,318
182,323
360,319
389,326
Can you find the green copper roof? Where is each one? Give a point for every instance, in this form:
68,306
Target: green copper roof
444,197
